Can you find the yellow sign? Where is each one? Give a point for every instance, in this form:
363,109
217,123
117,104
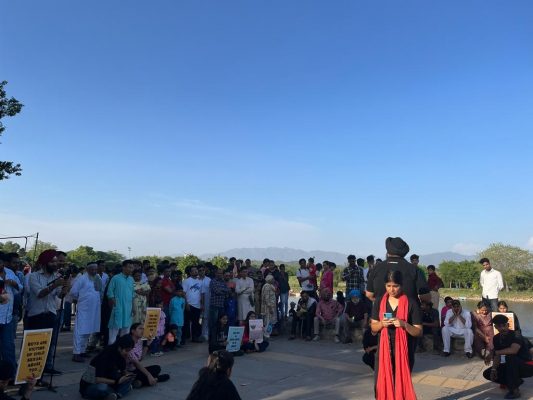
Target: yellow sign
511,320
35,346
151,322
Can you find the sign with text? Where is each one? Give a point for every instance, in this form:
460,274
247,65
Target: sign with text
234,338
151,322
509,315
35,346
256,330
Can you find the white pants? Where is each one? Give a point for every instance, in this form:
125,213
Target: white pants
113,332
205,326
448,332
79,342
318,322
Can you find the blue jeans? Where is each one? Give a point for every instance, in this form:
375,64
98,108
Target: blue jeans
101,390
284,298
7,342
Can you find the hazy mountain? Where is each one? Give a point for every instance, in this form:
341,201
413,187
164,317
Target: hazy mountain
287,254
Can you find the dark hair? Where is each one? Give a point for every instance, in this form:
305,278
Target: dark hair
414,257
126,262
134,326
60,253
447,298
301,260
361,262
370,258
394,277
125,342
500,319
484,260
431,267
481,304
10,256
503,303
210,378
351,257
428,303
456,303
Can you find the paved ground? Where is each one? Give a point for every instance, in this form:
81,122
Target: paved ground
297,370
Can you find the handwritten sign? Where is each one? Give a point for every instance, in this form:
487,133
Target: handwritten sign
234,338
151,322
256,330
508,315
35,346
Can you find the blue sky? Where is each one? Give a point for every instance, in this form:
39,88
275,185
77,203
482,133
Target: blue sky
177,127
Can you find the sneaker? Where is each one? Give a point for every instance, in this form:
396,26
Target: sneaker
137,384
78,358
337,340
316,338
157,354
469,355
446,354
111,396
163,377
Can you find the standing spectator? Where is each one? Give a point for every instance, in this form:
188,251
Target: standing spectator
458,323
44,292
414,282
327,277
140,297
193,294
259,281
304,278
85,293
327,312
313,272
177,313
268,302
244,288
120,296
284,289
167,288
12,262
100,265
353,275
491,282
206,295
219,294
434,284
10,286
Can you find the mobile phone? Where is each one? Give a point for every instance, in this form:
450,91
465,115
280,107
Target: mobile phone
387,315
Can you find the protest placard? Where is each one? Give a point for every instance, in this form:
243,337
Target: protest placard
35,347
508,315
151,322
256,330
234,338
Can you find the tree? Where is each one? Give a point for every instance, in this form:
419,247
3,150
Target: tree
219,261
464,274
82,256
10,247
33,253
189,260
509,260
8,108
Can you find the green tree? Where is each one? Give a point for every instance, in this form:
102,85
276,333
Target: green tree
33,253
464,274
10,247
189,260
219,261
9,107
509,260
82,256
112,257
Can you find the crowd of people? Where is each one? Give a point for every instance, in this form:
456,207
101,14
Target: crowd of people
391,302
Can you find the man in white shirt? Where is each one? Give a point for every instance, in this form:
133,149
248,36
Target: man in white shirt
303,275
458,323
192,287
491,282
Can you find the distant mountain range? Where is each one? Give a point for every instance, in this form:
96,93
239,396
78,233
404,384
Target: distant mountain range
288,255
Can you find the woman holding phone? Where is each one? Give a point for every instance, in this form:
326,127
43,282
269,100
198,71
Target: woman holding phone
397,321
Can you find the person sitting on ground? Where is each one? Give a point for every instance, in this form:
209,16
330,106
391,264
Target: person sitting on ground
328,312
430,325
7,371
510,358
252,346
214,380
370,346
305,313
107,377
483,330
144,376
458,323
355,314
503,308
219,339
397,321
447,306
170,340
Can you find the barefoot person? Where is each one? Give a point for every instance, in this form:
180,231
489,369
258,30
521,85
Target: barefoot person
396,319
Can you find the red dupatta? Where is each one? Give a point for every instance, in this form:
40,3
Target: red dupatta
402,388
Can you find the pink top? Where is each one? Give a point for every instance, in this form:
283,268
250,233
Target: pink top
443,314
327,280
328,310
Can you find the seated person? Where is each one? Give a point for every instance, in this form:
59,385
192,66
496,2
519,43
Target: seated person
355,314
218,339
503,308
430,324
251,346
458,323
170,341
447,306
110,378
483,330
305,313
510,358
144,376
370,345
7,371
328,311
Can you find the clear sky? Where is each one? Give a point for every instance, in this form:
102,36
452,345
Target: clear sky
188,126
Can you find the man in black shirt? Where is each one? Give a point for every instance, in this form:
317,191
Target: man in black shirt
510,358
414,281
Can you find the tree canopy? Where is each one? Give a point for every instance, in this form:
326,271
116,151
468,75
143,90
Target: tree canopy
9,107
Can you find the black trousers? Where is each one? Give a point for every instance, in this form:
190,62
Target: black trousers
192,323
306,320
370,359
154,370
512,372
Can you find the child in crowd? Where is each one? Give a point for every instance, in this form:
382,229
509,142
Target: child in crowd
230,308
155,346
447,306
341,299
292,311
177,312
172,338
